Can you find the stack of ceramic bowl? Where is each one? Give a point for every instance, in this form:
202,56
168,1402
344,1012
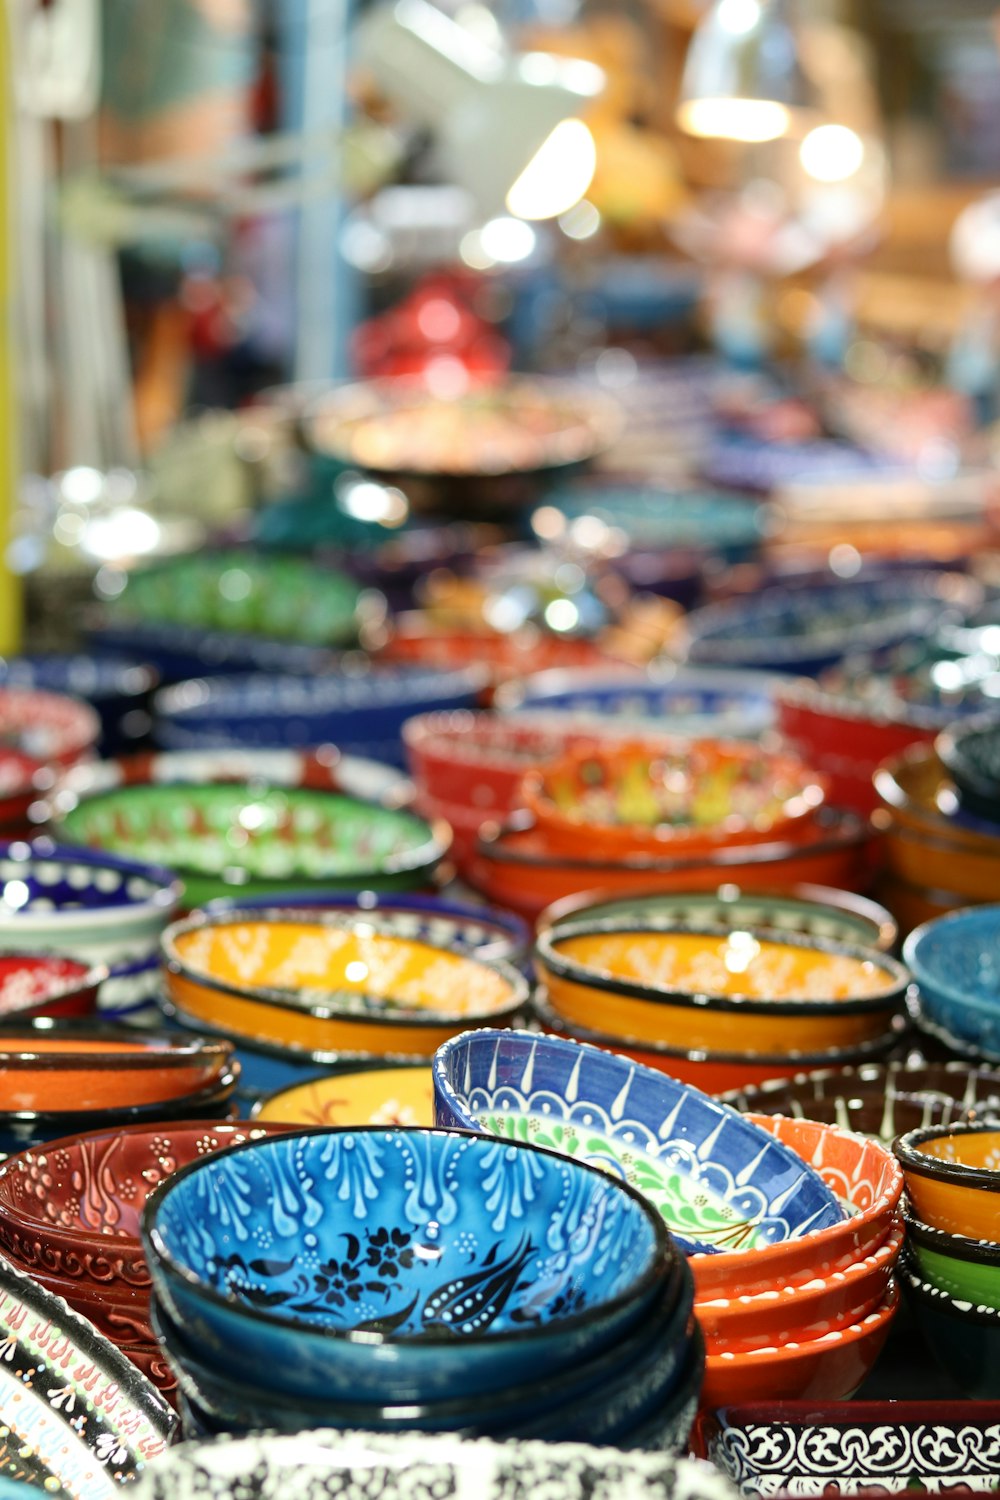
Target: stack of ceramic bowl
952,1272
91,906
791,1227
62,1076
955,961
69,1216
226,836
421,1279
297,991
718,1003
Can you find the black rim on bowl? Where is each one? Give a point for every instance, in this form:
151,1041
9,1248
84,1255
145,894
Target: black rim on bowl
954,1246
665,1252
147,1049
944,1302
912,1159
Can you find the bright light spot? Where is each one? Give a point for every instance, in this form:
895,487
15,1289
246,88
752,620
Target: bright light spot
846,561
539,68
446,377
548,523
124,533
252,816
831,153
740,952
947,675
615,368
366,247
375,502
68,529
591,533
356,971
737,16
582,221
82,486
235,584
562,615
507,612
570,577
558,175
507,240
472,252
439,320
749,120
16,894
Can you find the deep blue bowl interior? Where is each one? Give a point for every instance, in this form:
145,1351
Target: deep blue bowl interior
957,958
41,877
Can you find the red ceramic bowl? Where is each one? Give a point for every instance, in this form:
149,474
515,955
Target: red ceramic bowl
477,761
829,1368
422,642
824,1305
514,867
51,728
23,778
862,1173
43,984
622,798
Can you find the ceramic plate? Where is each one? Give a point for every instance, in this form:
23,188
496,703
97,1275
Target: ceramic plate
374,1096
78,1419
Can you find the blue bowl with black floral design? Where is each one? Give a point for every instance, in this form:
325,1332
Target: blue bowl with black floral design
718,1181
401,1264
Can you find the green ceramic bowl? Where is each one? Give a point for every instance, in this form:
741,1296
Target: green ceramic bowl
226,837
968,1270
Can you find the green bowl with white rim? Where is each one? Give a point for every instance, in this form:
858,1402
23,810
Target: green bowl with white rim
807,910
221,838
967,1269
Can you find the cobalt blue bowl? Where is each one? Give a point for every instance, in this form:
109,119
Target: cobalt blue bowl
955,960
120,688
697,703
362,715
719,1182
401,1264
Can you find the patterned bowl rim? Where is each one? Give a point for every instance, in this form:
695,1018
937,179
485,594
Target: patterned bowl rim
298,1056
785,1297
574,971
284,1000
853,1078
662,1256
804,1414
792,1351
146,1050
915,1161
534,694
228,694
952,924
162,902
90,977
124,677
423,856
477,737
954,1246
87,729
950,747
933,1296
807,693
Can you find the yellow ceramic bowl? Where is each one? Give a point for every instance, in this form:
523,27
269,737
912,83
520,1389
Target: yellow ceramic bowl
953,1177
371,1096
712,987
330,983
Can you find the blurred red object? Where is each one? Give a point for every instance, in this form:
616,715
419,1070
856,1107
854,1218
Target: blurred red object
434,327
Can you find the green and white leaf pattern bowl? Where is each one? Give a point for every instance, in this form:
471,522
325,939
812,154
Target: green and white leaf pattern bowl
224,837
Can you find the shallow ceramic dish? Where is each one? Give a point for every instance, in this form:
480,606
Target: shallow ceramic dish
829,1368
687,986
812,911
79,1419
34,984
806,629
805,1447
688,702
963,1337
955,960
880,1099
668,796
324,1309
866,1179
401,1095
515,868
361,713
968,1270
327,1465
715,1183
333,981
50,727
119,688
970,752
953,1176
225,836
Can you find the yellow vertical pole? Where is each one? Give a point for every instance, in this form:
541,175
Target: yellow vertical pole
10,583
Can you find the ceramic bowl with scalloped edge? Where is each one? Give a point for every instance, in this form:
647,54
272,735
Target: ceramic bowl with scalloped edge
953,1176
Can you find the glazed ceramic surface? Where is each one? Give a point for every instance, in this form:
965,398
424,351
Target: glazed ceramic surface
467,1263
46,985
953,1176
717,1184
971,752
327,1466
373,1096
49,727
78,1419
964,1337
118,687
660,516
967,1269
803,1447
223,835
955,960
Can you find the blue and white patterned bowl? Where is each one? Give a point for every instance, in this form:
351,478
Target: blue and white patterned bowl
718,1181
363,715
401,1264
955,960
728,705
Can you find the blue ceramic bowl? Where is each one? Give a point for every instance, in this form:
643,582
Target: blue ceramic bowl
809,628
401,1264
718,1181
728,705
955,960
659,515
362,715
120,688
484,932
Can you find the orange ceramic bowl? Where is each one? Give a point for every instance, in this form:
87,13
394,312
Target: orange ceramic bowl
515,867
703,986
823,1305
921,798
712,1072
663,796
829,1368
330,982
973,874
953,1177
865,1176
